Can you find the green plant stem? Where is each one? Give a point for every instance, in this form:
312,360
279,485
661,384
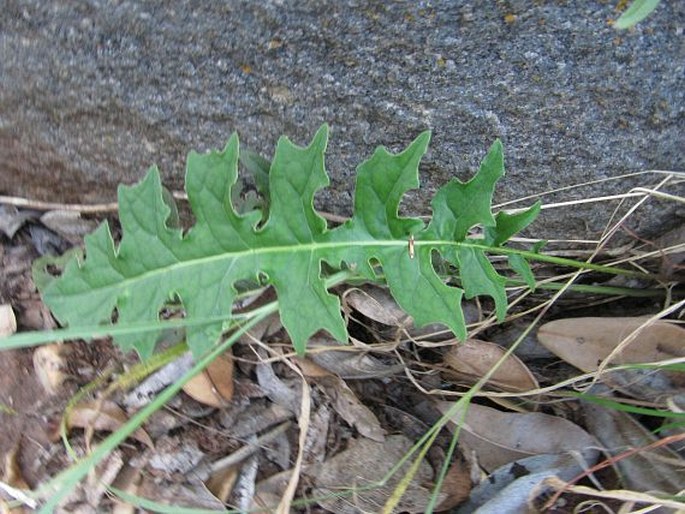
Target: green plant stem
593,289
611,403
560,261
29,339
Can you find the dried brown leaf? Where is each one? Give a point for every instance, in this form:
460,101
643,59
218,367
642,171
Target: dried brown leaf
12,219
8,322
673,263
352,410
13,475
310,368
657,469
68,224
103,415
377,304
128,480
349,363
345,402
14,479
457,485
363,464
585,342
500,437
220,483
214,386
472,359
49,366
283,393
192,494
269,492
317,436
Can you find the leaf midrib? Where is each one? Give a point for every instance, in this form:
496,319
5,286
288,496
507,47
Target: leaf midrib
289,249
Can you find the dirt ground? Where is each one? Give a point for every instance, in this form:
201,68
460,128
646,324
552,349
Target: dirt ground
176,458
30,415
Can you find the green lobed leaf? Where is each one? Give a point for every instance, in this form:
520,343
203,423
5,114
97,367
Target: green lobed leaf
258,167
521,266
506,225
156,263
637,12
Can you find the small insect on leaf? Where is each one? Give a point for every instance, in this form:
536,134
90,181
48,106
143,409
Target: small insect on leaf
410,246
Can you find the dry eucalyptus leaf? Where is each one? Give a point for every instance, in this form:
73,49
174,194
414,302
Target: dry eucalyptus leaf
281,392
349,363
364,463
8,323
377,304
105,473
68,224
509,487
310,368
12,219
268,492
214,386
13,475
657,469
585,342
220,483
49,365
14,478
317,435
351,409
103,415
127,480
457,485
344,401
499,437
192,494
472,359
672,263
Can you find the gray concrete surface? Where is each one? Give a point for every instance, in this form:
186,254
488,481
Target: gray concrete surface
93,92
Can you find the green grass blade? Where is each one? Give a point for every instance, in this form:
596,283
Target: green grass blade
637,12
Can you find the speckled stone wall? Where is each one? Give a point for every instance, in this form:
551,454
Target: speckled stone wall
93,93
